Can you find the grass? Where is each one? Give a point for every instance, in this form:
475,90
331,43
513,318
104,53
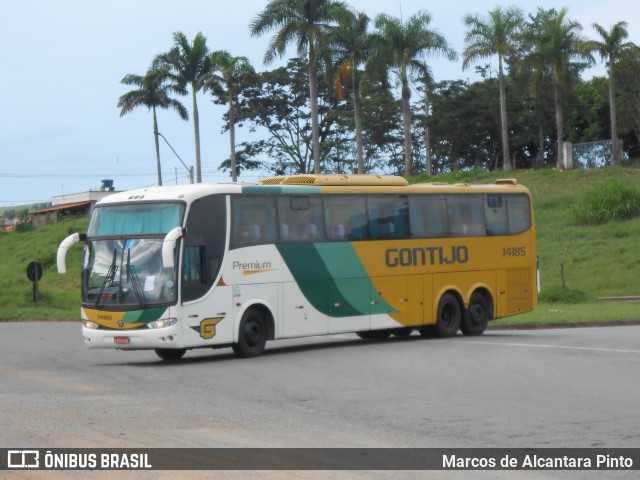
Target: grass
599,260
614,200
59,294
554,314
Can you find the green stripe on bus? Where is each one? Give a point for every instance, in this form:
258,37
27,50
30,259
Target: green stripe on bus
143,316
332,279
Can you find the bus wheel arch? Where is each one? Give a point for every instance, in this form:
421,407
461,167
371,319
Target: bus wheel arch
478,313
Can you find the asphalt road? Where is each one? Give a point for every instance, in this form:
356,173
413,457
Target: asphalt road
539,388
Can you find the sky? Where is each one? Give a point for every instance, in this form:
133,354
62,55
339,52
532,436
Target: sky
61,63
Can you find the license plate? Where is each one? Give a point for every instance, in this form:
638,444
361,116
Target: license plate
121,340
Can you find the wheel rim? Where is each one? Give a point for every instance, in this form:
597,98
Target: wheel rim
253,333
476,314
447,316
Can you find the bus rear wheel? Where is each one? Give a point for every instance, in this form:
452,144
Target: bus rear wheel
252,336
449,316
170,354
477,316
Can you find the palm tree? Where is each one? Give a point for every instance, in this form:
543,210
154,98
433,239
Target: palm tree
403,46
351,44
494,36
427,82
305,22
228,74
152,92
610,49
533,68
559,43
188,65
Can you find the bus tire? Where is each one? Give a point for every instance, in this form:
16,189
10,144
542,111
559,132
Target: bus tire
374,334
477,316
252,335
449,316
170,354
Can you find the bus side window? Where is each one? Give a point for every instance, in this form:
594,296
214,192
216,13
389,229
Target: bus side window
253,220
519,213
428,214
495,211
300,218
387,216
359,219
337,218
466,216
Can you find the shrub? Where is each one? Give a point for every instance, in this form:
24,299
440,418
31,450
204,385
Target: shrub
614,200
564,295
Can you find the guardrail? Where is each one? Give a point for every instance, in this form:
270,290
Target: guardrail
628,299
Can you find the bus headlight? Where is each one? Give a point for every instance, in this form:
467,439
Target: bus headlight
90,325
165,322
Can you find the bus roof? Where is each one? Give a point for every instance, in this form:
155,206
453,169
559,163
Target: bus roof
306,184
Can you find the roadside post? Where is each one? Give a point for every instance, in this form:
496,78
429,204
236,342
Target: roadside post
34,274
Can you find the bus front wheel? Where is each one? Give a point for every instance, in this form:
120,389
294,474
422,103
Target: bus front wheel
476,317
170,354
252,336
449,316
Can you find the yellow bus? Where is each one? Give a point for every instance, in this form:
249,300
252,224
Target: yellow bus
219,265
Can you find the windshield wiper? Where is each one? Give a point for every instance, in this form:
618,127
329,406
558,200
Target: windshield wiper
108,279
132,277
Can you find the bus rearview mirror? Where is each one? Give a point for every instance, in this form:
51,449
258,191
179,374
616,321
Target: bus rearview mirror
168,245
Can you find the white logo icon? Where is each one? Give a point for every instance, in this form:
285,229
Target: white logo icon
23,459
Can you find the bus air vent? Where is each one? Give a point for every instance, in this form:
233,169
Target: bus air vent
338,180
506,181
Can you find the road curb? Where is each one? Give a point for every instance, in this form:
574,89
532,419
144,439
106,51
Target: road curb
549,326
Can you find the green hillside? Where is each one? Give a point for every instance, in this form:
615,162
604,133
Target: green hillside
598,260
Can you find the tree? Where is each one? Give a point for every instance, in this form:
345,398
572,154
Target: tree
188,66
611,48
466,125
305,23
278,102
403,46
494,36
152,92
228,76
351,44
533,69
628,78
559,44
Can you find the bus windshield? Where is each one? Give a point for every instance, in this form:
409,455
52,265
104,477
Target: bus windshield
126,272
123,260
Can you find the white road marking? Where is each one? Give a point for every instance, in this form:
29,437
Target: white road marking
536,345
